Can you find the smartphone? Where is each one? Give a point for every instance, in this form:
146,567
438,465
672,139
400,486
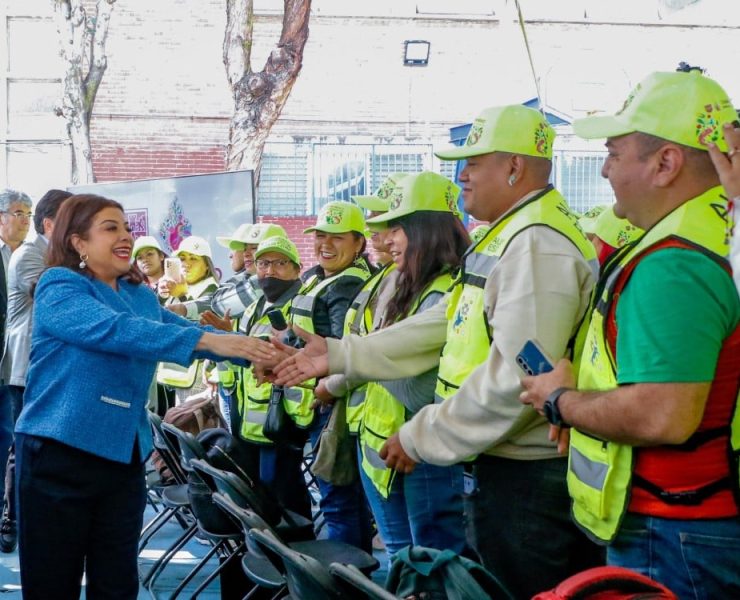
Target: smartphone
533,360
277,319
173,269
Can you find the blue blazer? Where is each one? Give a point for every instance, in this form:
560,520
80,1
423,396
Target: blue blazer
93,356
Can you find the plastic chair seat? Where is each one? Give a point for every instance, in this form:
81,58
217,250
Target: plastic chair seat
175,496
330,551
262,572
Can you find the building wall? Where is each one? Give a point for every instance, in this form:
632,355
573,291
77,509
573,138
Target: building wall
164,106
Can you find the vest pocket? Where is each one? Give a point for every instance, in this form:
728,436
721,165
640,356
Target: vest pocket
589,471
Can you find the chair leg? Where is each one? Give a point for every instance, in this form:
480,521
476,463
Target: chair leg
154,526
196,569
161,563
234,553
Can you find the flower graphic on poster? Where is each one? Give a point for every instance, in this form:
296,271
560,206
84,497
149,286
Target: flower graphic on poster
175,226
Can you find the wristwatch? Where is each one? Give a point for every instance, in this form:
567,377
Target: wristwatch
552,412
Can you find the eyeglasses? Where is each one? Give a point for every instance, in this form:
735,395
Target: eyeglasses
19,214
278,263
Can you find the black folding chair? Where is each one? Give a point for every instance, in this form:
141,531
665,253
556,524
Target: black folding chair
306,577
355,578
227,543
174,499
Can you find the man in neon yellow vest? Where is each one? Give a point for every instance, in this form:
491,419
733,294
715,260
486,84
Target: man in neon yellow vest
654,445
530,276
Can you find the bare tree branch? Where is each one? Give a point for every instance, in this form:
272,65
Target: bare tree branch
82,47
259,97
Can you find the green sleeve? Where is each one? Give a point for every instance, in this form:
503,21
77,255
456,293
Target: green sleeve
672,318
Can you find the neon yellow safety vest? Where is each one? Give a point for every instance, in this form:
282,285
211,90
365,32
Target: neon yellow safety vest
359,321
469,334
599,471
303,304
256,397
384,413
172,374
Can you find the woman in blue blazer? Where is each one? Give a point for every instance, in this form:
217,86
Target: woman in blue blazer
83,435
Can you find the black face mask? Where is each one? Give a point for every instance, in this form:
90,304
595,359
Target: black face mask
273,287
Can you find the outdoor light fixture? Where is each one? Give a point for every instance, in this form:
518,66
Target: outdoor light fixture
416,53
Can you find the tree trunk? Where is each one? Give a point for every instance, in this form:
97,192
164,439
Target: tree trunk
259,97
82,46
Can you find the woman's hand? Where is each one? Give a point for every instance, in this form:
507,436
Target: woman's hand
178,309
165,287
234,345
212,319
728,167
311,361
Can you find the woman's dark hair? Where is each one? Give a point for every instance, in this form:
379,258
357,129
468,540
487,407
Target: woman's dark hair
436,243
75,216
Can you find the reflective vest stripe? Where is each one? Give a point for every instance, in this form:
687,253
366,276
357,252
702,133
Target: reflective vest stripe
590,472
256,417
480,264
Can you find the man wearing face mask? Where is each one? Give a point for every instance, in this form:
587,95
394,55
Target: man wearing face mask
230,301
240,291
278,276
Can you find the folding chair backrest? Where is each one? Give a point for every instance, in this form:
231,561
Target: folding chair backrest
306,577
359,581
169,452
242,493
190,448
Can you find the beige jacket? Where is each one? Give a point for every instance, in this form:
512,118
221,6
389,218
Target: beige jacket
539,289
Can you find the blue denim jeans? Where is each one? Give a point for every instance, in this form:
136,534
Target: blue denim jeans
424,508
697,559
346,514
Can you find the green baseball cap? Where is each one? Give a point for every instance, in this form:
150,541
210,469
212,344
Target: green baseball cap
382,198
513,128
339,217
615,231
281,244
425,191
236,240
685,108
145,241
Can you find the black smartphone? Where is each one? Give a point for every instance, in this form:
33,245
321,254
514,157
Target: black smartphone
533,360
277,319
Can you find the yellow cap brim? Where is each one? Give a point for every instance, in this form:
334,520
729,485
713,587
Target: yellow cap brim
460,153
593,128
372,203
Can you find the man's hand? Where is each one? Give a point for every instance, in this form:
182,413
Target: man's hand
311,361
561,435
728,167
539,387
395,456
323,397
212,319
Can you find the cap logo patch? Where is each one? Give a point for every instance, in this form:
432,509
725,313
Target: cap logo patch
541,143
450,199
333,215
385,189
475,132
396,200
630,98
255,233
707,127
